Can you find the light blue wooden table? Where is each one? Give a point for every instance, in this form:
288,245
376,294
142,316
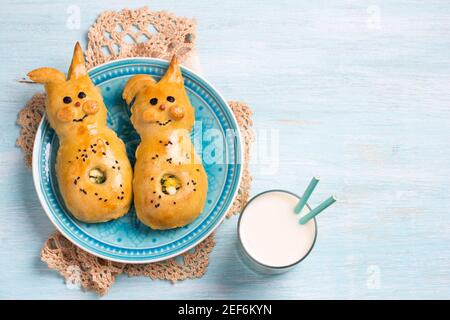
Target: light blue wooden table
355,91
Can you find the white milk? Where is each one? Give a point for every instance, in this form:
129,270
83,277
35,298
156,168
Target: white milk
270,230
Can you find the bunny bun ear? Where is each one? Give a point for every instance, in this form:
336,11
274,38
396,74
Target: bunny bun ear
77,67
173,73
136,84
46,75
50,75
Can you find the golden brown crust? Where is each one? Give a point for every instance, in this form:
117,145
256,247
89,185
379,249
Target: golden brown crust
154,160
163,116
88,201
76,111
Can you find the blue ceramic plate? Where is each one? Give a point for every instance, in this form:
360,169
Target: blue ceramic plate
126,239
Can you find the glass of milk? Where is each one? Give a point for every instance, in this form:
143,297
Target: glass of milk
271,238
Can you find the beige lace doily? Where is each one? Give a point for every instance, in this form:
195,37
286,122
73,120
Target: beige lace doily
139,33
153,34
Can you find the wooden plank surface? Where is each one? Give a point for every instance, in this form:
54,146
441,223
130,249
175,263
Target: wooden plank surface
354,91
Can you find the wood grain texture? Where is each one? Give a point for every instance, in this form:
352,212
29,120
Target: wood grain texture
354,91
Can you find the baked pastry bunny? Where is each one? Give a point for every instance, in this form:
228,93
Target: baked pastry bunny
92,167
170,183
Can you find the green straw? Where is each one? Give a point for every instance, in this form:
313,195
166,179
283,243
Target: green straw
314,212
306,194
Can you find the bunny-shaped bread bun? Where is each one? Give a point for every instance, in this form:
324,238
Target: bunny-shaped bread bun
170,183
93,171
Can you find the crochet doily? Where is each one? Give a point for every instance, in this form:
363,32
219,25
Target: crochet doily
139,33
153,34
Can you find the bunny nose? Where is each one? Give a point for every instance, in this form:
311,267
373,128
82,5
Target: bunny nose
162,107
77,104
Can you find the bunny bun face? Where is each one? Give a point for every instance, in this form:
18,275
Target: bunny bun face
163,106
159,106
74,105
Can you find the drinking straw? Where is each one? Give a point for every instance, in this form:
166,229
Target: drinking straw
306,194
314,212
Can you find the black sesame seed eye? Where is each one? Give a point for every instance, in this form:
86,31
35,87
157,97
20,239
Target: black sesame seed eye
153,101
170,99
81,95
67,100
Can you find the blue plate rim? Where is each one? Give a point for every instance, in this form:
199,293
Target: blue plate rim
37,183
